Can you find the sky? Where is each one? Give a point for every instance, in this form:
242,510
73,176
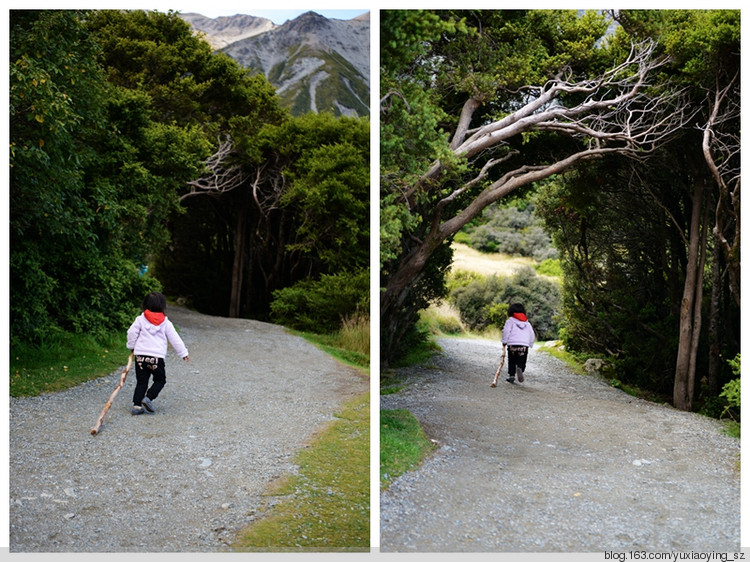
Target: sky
276,16
210,9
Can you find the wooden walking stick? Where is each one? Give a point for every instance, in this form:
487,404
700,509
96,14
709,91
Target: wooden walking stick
502,362
97,427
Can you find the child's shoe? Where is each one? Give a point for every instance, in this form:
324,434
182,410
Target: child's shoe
148,405
519,374
137,410
511,380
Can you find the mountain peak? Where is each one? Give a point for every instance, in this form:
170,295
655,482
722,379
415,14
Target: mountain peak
315,63
309,22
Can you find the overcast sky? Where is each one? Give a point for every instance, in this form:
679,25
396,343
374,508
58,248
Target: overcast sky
276,16
209,9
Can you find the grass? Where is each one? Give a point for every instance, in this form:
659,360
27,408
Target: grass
64,361
568,358
351,344
326,506
403,444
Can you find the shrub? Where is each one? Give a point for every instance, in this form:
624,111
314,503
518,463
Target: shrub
497,313
550,267
472,301
732,390
510,230
480,302
320,305
461,278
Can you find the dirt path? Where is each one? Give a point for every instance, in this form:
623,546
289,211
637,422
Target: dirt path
188,477
562,463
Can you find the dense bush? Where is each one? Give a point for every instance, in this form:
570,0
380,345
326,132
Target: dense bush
732,390
510,230
320,305
480,302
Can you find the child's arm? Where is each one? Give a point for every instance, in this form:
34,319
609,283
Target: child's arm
133,333
176,342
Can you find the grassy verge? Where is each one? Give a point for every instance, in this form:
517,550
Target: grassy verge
566,357
63,362
403,444
351,344
326,506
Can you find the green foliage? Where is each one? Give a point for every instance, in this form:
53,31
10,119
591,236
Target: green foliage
733,389
461,278
700,42
481,303
75,244
319,305
63,360
302,212
403,444
727,403
329,191
510,230
619,267
550,268
497,314
112,113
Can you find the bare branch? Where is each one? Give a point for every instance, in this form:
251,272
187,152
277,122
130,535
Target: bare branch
617,112
491,163
393,93
219,179
721,151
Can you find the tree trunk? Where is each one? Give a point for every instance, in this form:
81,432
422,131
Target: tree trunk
238,266
690,309
714,337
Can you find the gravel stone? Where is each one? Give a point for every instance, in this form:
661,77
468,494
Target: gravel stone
560,463
189,477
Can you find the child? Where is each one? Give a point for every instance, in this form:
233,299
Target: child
519,336
147,339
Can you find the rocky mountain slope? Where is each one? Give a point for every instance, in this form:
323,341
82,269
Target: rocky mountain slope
224,30
317,64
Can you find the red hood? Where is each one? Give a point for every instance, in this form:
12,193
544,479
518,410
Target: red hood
520,316
155,318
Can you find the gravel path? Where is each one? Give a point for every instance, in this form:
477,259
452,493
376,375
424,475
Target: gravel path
187,478
560,463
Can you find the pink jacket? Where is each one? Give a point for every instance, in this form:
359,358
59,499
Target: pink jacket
145,338
518,332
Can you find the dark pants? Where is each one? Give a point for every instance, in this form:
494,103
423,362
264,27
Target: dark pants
145,368
517,358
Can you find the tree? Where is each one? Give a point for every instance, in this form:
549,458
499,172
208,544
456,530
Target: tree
112,113
636,241
74,244
196,97
287,205
704,45
505,132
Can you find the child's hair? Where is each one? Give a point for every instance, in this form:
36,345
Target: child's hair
516,307
155,302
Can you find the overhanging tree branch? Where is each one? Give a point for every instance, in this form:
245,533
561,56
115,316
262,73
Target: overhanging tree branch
617,108
616,113
219,178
